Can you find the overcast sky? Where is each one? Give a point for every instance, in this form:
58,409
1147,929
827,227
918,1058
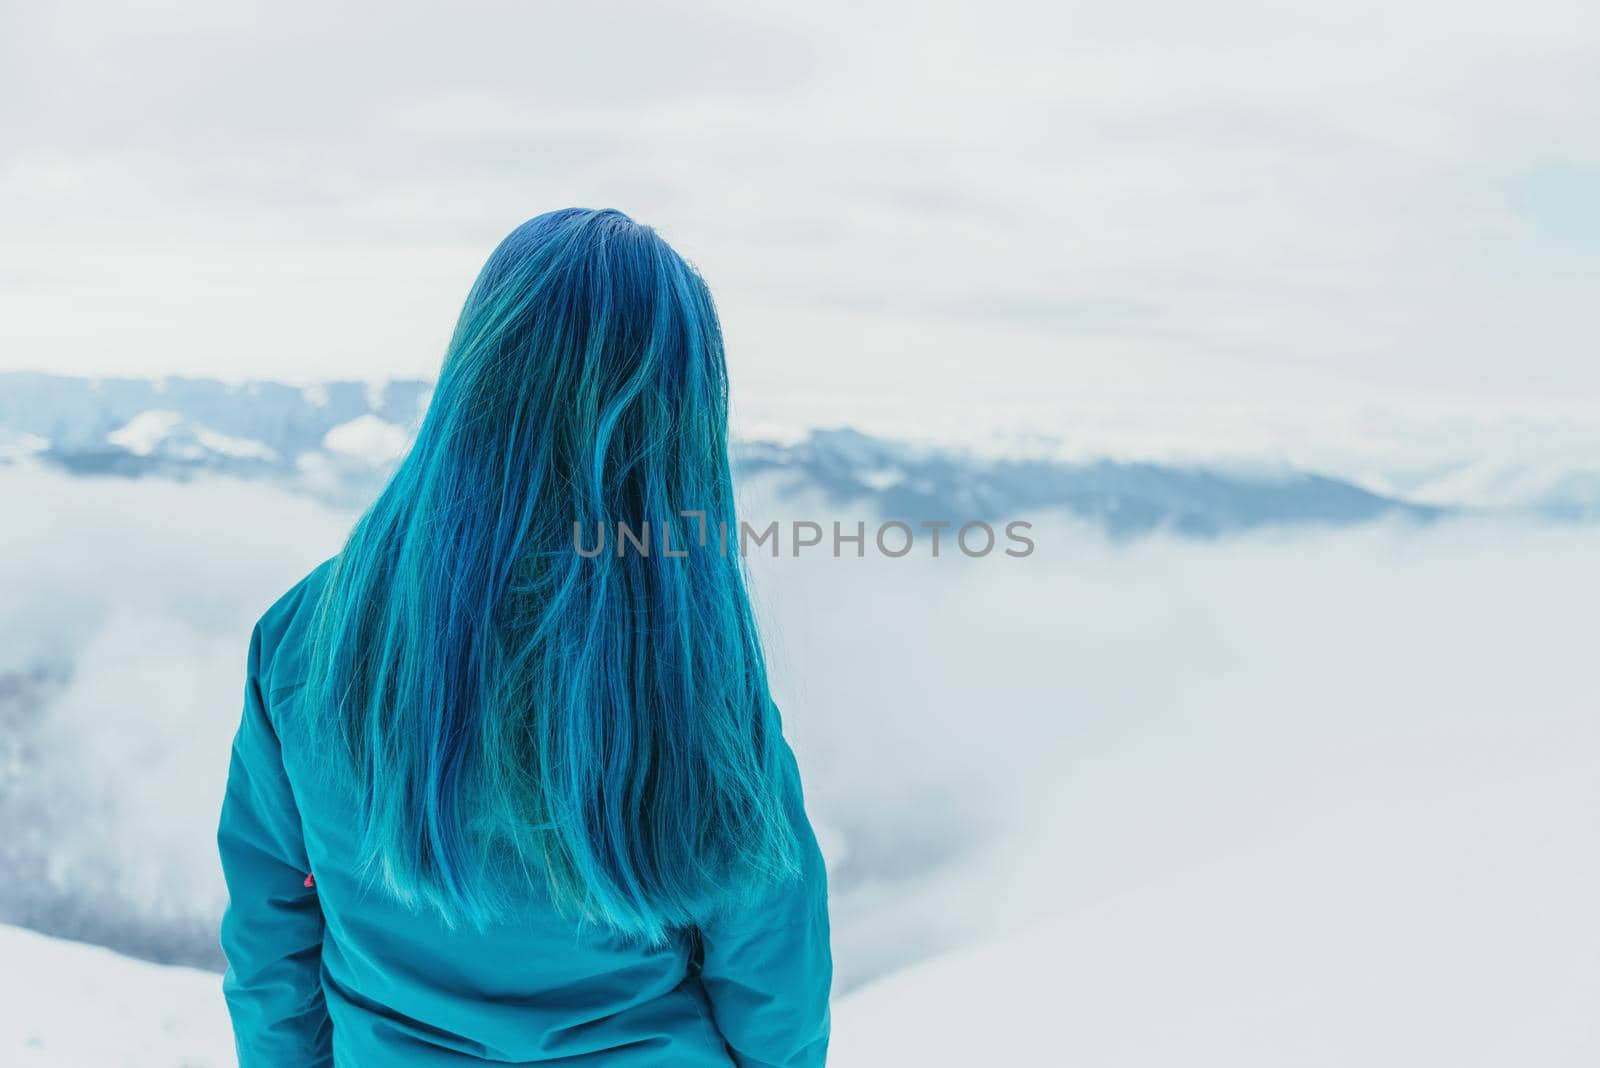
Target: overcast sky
912,212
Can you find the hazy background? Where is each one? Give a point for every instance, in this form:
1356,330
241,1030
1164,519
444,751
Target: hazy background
1305,782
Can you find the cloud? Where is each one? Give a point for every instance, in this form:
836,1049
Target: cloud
1301,204
984,742
122,642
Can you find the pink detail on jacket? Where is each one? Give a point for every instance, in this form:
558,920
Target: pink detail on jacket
310,883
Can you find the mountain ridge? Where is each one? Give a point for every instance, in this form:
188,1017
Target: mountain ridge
339,440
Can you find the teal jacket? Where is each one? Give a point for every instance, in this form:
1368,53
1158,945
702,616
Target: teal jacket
324,969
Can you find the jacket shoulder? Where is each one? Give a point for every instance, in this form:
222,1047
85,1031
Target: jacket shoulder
282,631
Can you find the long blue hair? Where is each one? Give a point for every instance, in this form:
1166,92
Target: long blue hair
516,710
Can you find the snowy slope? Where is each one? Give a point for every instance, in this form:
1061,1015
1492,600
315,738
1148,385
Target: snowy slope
1451,942
1112,988
68,1005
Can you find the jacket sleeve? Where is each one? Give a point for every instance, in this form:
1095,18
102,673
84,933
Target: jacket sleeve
767,966
272,930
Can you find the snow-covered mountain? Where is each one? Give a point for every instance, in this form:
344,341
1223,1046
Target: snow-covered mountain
338,440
